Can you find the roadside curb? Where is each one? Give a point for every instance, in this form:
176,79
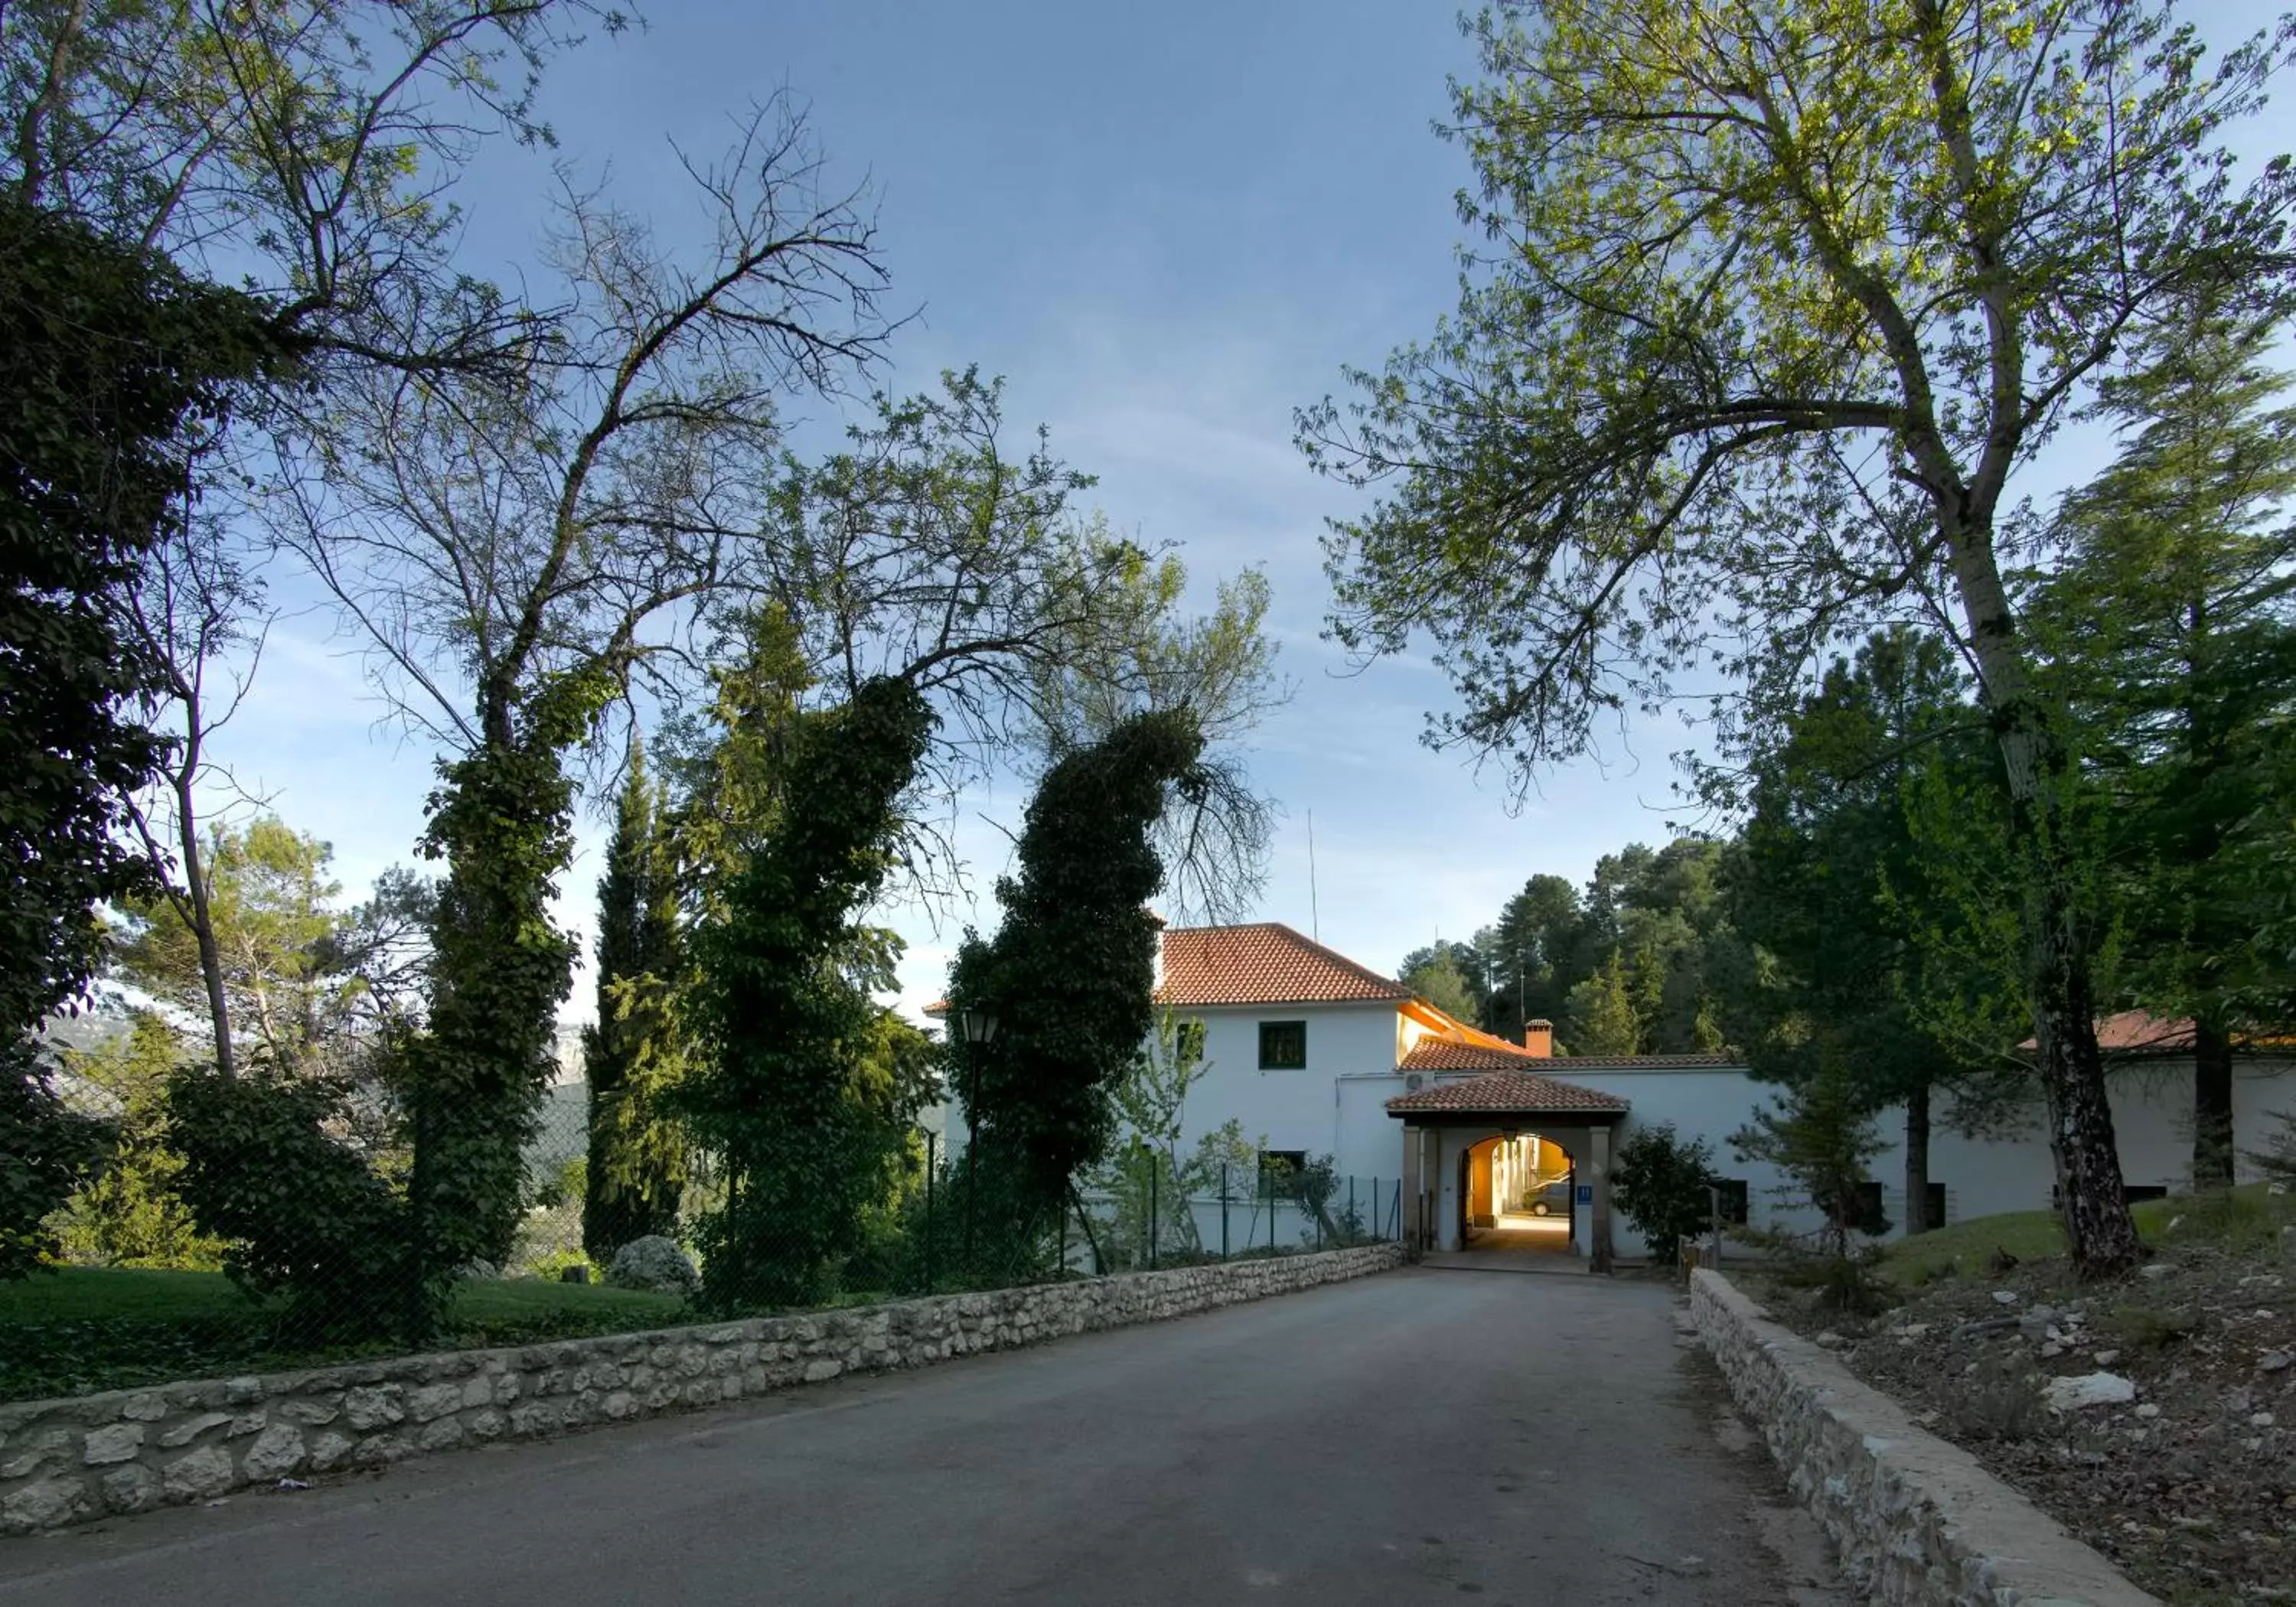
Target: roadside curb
1916,1520
91,1456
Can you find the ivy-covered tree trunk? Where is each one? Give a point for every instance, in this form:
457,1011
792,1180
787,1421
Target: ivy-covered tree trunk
502,820
786,1094
636,1174
1917,1160
1071,971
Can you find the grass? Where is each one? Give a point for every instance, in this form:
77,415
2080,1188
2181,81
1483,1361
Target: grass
1967,1247
81,1329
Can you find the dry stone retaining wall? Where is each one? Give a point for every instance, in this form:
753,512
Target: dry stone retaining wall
68,1461
1916,1520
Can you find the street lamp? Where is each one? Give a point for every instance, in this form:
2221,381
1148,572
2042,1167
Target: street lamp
979,1029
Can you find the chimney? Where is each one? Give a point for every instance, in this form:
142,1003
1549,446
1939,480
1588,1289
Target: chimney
1539,1036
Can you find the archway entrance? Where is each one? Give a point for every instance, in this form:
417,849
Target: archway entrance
1514,1194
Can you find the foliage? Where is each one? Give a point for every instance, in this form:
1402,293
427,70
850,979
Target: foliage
806,1121
502,820
130,1214
634,1055
1820,1134
1069,973
2173,633
1435,975
305,1214
106,355
1779,299
46,1150
85,1329
1659,1183
1599,1016
1145,1174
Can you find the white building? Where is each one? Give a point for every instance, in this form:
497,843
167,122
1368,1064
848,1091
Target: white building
1314,1054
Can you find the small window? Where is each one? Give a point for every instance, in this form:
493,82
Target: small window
1283,1045
1935,1213
1865,1215
1279,1172
2132,1193
1732,1190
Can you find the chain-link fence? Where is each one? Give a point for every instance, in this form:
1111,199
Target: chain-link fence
1236,1211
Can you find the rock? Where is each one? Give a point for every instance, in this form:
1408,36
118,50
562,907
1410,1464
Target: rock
2155,1271
655,1263
2148,1411
1831,1341
2051,1351
115,1442
43,1504
206,1472
277,1452
192,1428
374,1409
2275,1361
2261,1420
2005,1297
2087,1390
129,1489
2105,1358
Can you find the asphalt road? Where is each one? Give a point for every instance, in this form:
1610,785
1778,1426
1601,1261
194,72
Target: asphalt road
1417,1437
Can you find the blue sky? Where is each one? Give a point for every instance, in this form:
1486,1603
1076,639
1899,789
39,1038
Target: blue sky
1168,226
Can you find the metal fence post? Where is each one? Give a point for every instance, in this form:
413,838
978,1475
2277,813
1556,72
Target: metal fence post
931,1139
1355,1224
1155,1168
1224,1253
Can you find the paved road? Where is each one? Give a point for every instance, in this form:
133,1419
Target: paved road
1418,1437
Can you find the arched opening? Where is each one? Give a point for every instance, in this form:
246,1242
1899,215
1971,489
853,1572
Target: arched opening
1515,1193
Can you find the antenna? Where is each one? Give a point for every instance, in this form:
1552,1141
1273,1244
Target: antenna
1315,919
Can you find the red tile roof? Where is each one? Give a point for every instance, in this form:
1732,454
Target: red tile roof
1726,1061
1454,1054
2135,1032
1511,1093
1266,964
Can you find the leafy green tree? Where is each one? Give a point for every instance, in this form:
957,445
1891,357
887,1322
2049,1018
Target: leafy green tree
1437,975
634,1054
1533,955
1601,1016
1779,298
131,1215
1070,972
1821,1132
1836,886
2173,629
1660,1182
788,1091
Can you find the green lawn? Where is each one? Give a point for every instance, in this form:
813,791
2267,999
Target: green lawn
81,1329
1966,1247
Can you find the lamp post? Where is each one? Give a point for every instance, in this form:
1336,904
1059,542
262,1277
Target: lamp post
979,1029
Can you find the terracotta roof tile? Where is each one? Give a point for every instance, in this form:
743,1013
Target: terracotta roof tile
1513,1093
1724,1062
1266,964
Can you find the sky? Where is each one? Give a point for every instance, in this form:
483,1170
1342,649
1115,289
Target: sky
1167,227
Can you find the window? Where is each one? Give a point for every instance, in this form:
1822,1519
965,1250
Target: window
1279,1172
1936,1211
1732,1190
1188,1042
1866,1213
2132,1193
1283,1045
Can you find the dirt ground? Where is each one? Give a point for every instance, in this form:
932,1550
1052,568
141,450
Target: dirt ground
2183,1471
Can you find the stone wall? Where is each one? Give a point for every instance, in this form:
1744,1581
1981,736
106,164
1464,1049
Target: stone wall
1916,1520
68,1461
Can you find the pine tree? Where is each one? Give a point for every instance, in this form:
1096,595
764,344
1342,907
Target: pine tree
636,1170
1602,1018
2174,625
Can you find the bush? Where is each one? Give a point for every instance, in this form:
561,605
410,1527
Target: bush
1659,1184
45,1150
305,1215
2001,1402
130,1214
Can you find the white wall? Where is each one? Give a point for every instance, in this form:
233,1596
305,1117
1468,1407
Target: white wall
1335,1106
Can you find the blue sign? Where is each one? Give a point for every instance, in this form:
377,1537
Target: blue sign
1586,1194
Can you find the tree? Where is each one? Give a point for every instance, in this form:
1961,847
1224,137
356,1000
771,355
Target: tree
1530,954
1820,1133
2173,632
1070,972
1435,975
634,1055
131,1215
788,1091
1599,1016
1661,1185
1778,301
1837,888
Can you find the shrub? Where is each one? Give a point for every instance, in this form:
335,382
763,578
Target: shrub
2001,1402
45,1150
304,1214
130,1214
1660,1186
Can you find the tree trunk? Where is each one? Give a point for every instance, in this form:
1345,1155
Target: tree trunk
195,884
2036,772
2212,1129
1917,1161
